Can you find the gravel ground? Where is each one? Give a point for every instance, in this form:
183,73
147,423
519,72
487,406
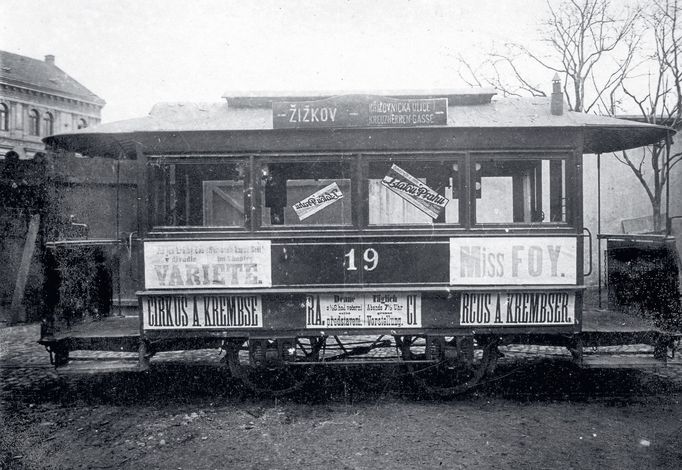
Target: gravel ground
541,413
23,361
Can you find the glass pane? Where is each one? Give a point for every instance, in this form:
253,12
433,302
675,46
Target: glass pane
408,192
520,191
195,194
310,193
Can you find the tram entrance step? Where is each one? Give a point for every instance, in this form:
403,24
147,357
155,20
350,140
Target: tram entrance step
98,367
625,361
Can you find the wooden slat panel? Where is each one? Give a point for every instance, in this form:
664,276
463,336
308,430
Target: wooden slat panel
621,362
98,367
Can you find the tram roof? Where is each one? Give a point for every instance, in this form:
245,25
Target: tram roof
467,109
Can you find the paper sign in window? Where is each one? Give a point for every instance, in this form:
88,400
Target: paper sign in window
414,191
317,201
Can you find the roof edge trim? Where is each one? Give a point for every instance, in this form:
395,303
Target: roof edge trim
264,99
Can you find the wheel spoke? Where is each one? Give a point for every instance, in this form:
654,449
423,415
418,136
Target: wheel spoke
445,378
272,382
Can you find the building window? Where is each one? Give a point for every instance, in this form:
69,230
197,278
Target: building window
4,117
33,122
82,123
48,124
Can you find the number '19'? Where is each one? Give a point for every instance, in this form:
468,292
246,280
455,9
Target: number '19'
370,258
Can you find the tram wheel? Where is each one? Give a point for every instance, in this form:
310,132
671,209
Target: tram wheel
447,378
261,380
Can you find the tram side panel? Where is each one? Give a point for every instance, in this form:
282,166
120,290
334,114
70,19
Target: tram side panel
458,285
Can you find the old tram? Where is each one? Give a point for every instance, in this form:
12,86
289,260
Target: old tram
288,230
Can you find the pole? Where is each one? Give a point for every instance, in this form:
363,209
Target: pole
668,220
118,235
599,224
17,312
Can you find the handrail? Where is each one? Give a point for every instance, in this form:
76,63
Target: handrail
589,237
83,242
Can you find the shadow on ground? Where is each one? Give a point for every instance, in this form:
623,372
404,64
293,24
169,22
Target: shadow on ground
177,383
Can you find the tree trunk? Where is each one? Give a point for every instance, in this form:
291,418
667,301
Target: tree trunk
657,216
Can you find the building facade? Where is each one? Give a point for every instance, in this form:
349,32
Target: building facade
38,99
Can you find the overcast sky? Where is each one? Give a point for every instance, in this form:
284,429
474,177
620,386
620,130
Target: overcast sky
134,53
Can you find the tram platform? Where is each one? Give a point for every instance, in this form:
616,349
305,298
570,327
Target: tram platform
601,343
596,322
607,328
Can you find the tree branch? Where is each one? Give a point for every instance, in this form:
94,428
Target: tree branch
637,170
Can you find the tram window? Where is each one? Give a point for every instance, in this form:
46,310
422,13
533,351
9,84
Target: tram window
520,191
306,193
198,194
409,192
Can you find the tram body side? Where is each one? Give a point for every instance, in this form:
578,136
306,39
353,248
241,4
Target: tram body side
305,287
328,250
272,239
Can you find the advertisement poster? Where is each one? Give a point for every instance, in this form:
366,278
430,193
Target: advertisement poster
363,310
209,263
513,261
318,201
166,312
414,191
517,308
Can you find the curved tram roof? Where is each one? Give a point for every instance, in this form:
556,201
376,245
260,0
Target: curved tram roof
469,109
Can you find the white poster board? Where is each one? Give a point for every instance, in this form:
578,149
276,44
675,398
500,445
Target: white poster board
207,263
187,312
517,308
363,310
513,261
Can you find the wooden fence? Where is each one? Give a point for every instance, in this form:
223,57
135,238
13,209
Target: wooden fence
59,198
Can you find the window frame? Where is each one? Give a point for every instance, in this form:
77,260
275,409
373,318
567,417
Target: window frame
198,160
561,155
34,122
48,123
392,157
359,169
4,117
257,214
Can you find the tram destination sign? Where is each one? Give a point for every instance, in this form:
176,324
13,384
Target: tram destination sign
360,111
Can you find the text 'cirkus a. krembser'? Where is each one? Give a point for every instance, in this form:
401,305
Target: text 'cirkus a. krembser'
161,312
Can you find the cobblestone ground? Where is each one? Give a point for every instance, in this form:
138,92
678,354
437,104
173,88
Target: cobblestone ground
25,365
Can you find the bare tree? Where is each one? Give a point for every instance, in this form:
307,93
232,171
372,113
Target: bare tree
591,44
608,56
502,72
660,102
587,34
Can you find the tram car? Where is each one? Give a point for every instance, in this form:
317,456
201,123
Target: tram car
288,229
